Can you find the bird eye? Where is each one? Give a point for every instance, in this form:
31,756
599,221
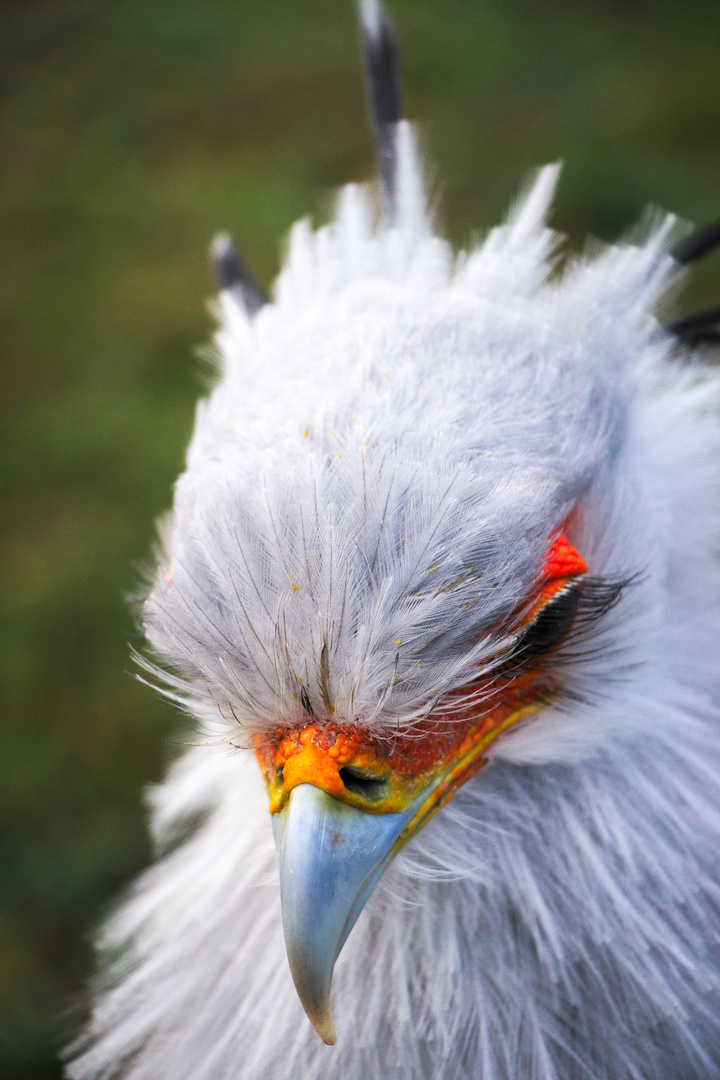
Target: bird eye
548,630
572,613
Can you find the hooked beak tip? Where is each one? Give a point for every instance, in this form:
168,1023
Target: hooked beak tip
323,1024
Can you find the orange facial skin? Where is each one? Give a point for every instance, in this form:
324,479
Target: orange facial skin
437,756
399,767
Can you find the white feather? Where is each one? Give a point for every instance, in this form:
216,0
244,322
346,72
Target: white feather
387,450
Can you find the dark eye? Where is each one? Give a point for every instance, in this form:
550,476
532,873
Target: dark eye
548,630
569,619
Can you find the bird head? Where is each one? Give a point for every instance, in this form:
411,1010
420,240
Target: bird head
414,530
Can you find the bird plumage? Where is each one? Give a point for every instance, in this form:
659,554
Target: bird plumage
368,495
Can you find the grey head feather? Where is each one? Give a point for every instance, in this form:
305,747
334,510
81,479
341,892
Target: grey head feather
701,327
232,273
382,84
698,245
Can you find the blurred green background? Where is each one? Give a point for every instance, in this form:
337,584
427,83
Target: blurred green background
131,131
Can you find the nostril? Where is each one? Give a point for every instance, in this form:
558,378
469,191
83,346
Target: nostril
359,783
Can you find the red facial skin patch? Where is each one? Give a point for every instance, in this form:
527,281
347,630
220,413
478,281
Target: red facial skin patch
562,564
562,561
438,755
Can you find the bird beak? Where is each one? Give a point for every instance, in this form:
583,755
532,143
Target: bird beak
334,843
331,857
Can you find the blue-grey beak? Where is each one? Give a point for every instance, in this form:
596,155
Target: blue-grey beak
331,858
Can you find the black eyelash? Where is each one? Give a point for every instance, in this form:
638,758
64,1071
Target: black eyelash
566,619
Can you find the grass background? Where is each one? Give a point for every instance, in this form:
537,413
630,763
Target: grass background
130,132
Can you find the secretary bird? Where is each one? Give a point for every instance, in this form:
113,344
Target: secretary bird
441,581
